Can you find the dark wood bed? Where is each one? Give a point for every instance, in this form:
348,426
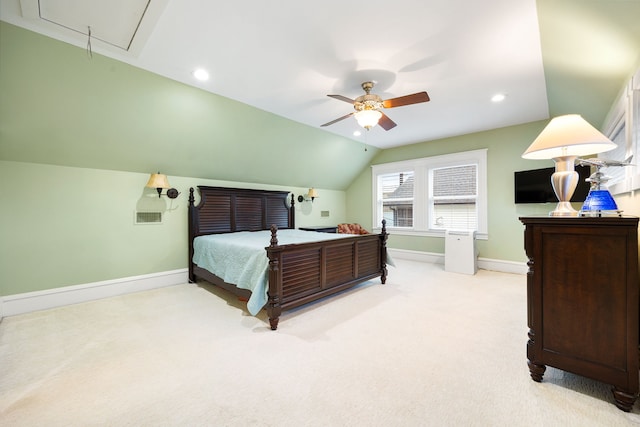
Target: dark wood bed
298,273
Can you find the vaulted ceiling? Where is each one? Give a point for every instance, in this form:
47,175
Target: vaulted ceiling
548,57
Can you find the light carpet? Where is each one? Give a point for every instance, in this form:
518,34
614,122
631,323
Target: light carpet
429,348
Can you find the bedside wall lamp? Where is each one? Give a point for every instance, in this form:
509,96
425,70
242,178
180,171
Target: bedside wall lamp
160,182
312,194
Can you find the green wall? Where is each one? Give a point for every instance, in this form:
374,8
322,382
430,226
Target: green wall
57,106
65,226
79,138
505,147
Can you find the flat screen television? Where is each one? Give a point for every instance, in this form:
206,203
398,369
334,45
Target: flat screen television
534,186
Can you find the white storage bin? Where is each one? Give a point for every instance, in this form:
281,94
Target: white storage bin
460,253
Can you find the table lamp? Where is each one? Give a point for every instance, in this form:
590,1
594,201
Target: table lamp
563,140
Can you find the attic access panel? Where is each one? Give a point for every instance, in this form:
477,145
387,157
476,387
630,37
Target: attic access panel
111,21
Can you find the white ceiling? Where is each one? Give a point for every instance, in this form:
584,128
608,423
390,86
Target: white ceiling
286,56
114,22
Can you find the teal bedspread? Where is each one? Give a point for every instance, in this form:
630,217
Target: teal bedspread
240,258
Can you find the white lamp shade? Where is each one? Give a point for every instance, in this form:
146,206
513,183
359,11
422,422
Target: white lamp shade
158,180
568,135
312,194
368,118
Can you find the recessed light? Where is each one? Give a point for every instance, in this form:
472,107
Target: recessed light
357,133
201,74
498,97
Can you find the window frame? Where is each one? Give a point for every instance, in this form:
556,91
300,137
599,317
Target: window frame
626,112
421,191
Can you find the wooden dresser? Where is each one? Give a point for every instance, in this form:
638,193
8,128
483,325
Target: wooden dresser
582,299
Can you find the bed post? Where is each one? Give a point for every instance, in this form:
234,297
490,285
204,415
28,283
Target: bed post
192,224
273,303
383,251
292,213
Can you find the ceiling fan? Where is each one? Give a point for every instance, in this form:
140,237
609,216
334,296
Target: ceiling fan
368,107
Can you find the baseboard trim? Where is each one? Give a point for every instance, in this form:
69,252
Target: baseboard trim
430,257
12,305
503,266
483,263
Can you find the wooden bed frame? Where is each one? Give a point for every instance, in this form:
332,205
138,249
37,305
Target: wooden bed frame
298,273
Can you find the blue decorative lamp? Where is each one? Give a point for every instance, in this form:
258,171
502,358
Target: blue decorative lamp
599,201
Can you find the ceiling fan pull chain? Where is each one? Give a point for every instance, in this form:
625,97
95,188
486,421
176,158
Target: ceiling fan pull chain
365,140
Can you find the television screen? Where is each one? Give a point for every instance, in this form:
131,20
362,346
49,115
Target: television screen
534,186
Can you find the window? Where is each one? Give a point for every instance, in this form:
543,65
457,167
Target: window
617,135
623,128
396,194
430,195
453,197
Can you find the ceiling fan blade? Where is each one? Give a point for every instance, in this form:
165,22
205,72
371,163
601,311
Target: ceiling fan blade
415,98
337,120
342,98
386,123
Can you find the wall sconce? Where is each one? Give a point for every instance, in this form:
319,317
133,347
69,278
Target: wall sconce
312,194
160,181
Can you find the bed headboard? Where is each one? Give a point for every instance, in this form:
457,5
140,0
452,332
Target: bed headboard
226,210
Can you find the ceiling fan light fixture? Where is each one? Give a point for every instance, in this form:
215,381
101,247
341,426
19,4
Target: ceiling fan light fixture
368,118
368,107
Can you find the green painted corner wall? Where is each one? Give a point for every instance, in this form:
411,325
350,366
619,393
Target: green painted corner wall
63,226
60,107
79,137
505,147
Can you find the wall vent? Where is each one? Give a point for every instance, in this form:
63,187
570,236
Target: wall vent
148,218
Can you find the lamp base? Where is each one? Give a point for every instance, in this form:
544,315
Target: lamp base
564,181
600,202
600,214
564,209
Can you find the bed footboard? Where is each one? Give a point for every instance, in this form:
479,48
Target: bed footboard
302,273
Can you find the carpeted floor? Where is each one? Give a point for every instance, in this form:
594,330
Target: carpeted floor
429,348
